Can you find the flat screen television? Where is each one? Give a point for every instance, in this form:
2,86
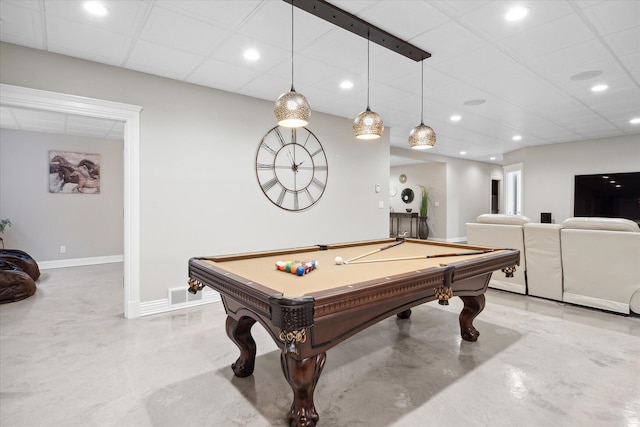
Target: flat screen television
610,195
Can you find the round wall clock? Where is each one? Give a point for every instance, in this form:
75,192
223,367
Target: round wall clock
393,191
402,178
407,195
291,168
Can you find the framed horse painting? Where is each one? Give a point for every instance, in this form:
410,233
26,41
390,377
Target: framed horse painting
71,172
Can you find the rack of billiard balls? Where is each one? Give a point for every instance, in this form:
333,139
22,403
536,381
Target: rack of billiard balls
299,268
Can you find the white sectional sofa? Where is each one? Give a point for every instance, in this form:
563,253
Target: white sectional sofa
593,262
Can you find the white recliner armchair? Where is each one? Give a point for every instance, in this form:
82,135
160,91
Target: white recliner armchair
502,231
601,263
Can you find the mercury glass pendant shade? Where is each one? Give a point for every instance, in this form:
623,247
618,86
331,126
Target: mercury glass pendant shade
292,109
422,137
368,125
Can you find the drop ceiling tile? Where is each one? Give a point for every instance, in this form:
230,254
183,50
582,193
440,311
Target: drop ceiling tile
387,66
625,42
117,131
268,87
307,71
352,53
221,75
125,17
162,61
561,64
88,126
194,36
231,51
489,20
632,63
229,14
21,25
459,7
273,23
617,104
551,36
39,120
83,41
381,14
613,16
448,41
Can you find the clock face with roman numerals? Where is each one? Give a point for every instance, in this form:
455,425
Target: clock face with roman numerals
291,167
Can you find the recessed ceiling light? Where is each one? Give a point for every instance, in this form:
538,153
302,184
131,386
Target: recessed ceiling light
516,14
492,158
473,102
96,8
455,118
618,185
599,88
517,137
463,153
605,176
251,55
612,182
586,75
635,120
346,84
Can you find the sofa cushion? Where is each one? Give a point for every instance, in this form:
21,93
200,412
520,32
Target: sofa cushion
544,265
595,223
502,219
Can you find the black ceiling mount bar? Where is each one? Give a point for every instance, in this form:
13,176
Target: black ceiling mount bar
352,23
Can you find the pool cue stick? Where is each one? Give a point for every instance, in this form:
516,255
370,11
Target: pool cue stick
407,258
376,251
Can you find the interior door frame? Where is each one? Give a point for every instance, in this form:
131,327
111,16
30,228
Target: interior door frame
35,99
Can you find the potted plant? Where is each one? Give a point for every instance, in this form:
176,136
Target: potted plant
4,224
423,227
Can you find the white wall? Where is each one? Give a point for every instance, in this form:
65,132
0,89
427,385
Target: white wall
89,225
549,170
198,190
461,187
434,177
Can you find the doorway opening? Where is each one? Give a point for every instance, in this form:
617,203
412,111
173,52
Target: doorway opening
35,99
495,196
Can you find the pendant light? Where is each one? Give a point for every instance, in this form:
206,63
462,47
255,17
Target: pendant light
368,124
292,109
422,137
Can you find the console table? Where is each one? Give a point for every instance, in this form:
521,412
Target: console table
397,216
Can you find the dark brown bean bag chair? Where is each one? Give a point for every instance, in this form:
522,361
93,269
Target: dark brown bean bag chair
22,260
15,284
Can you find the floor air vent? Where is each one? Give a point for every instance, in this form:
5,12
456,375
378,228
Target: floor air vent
182,295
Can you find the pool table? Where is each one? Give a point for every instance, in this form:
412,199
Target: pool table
307,315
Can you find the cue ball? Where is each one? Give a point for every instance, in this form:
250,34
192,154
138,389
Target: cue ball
338,260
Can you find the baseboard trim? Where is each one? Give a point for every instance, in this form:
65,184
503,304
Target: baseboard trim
162,305
77,262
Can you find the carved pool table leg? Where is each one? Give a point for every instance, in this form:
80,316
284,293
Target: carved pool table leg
404,314
473,305
240,333
303,376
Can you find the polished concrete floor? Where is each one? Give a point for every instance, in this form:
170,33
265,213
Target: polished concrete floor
69,358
